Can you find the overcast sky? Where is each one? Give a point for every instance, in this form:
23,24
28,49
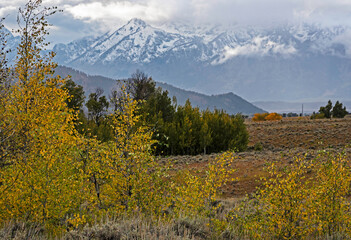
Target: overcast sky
86,17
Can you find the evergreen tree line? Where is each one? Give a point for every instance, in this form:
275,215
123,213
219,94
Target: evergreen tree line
177,129
329,111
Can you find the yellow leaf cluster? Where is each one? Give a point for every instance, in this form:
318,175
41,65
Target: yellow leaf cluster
266,117
297,205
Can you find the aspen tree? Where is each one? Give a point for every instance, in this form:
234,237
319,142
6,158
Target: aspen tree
124,176
41,183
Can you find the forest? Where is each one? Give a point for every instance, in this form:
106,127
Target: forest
177,130
64,175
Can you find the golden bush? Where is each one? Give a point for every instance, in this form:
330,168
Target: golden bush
273,116
259,117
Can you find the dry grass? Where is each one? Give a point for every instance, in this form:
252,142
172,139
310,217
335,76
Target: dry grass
281,141
300,132
183,228
22,231
140,228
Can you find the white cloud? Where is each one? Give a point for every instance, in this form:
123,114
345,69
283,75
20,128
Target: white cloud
250,12
329,12
111,14
152,11
245,12
5,10
259,46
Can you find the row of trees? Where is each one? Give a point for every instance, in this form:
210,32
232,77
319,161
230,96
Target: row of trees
177,129
328,111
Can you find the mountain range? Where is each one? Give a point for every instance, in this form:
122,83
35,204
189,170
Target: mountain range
285,63
229,102
295,63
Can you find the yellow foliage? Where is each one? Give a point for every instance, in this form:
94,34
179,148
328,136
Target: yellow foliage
122,175
291,204
273,116
259,117
197,195
39,179
331,209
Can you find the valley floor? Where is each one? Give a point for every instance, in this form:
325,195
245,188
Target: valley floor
279,141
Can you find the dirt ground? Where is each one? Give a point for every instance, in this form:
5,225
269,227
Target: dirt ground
279,141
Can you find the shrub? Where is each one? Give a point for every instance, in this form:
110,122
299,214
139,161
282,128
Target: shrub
260,117
140,228
317,116
273,116
293,204
258,147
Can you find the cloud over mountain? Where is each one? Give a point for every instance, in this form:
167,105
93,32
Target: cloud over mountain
243,12
259,46
82,17
277,63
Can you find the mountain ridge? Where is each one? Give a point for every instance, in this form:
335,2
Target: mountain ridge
286,63
229,102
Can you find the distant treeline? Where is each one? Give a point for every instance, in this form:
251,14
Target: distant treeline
178,130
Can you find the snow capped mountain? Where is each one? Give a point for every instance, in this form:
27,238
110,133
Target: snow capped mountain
138,42
134,42
291,62
71,51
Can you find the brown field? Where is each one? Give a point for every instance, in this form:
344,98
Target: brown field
281,141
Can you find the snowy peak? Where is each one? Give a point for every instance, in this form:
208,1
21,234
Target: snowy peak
133,26
134,42
136,22
287,62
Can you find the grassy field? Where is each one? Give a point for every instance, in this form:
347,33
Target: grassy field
278,141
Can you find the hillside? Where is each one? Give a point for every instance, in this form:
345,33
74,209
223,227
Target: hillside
229,102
